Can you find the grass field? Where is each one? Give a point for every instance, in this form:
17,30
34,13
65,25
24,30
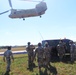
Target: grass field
19,67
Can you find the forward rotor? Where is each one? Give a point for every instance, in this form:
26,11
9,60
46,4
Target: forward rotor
4,12
9,9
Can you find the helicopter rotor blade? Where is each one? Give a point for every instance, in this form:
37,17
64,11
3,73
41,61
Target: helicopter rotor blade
31,0
42,0
10,3
4,12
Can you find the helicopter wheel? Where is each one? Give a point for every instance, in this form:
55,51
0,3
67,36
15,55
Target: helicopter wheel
40,16
23,19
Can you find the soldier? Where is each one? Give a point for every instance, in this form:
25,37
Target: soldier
47,52
72,50
8,56
30,51
39,52
61,49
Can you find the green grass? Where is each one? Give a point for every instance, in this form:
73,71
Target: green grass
19,67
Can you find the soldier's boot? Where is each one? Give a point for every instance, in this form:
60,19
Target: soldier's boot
7,73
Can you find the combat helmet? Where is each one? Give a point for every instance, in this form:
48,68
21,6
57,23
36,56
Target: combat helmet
28,43
46,43
60,42
39,44
70,42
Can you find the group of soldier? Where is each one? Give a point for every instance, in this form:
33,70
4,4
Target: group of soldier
61,48
42,54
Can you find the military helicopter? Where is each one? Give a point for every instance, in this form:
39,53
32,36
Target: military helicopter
39,10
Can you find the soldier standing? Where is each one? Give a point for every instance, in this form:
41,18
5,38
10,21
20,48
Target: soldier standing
39,52
30,51
47,52
61,49
8,56
72,50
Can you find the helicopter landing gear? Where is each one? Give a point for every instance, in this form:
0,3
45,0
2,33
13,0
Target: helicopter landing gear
23,18
40,16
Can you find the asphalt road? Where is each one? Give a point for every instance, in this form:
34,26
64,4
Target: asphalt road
16,52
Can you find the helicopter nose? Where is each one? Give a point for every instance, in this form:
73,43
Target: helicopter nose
10,15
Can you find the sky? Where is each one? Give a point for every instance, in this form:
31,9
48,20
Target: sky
58,22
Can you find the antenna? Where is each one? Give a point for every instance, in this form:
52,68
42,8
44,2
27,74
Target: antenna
41,36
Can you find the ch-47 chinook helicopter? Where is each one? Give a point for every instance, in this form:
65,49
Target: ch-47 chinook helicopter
39,10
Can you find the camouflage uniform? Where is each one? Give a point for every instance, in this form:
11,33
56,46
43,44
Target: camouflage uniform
30,51
8,55
61,49
46,56
72,50
39,52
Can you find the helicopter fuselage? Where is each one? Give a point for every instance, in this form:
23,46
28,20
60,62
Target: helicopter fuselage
23,13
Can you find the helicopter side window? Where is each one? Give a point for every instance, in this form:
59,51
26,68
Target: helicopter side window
14,12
